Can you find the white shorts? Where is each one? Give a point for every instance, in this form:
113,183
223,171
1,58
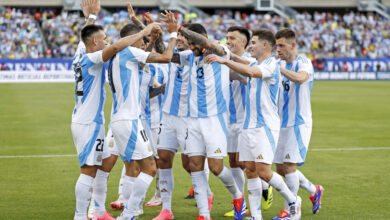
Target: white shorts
293,144
258,145
89,142
110,142
207,136
234,133
151,135
173,133
131,138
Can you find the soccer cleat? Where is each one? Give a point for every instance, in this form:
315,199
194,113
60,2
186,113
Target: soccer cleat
231,213
316,198
105,216
239,208
267,199
253,218
118,204
154,201
165,214
123,218
284,215
91,210
201,217
210,201
295,209
190,194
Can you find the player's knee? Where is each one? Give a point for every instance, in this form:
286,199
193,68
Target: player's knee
280,169
233,161
165,159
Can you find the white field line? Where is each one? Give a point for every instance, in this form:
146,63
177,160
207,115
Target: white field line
318,149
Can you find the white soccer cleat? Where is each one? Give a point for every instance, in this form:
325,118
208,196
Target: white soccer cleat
91,210
154,201
295,209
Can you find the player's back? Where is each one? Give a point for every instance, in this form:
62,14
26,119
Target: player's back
90,91
294,103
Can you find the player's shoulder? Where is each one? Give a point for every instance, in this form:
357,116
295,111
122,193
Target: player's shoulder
303,59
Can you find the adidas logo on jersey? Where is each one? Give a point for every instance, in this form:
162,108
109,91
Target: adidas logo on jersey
260,157
164,190
218,151
287,156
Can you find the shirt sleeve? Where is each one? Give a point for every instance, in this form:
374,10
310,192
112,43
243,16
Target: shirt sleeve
184,57
267,70
135,54
226,49
306,66
96,57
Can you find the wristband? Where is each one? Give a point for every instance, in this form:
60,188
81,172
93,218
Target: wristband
173,35
92,16
181,26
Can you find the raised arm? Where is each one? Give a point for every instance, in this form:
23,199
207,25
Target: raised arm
132,16
159,43
91,9
298,77
203,41
127,41
246,70
171,25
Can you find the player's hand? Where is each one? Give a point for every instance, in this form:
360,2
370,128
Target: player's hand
170,21
148,18
155,34
148,29
130,11
212,58
90,7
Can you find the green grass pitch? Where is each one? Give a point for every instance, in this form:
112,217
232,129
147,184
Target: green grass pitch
35,120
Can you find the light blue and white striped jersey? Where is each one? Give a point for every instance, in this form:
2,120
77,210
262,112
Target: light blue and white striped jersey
156,103
89,86
208,86
294,101
145,81
262,96
176,91
123,75
237,97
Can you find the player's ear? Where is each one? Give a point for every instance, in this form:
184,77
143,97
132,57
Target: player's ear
293,44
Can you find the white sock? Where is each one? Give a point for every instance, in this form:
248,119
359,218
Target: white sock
264,185
158,192
305,183
199,182
140,186
99,192
227,179
128,182
166,185
239,178
254,196
280,186
83,196
207,172
292,182
120,188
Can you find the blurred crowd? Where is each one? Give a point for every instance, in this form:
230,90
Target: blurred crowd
319,35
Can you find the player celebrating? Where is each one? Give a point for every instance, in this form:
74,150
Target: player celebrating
261,126
207,122
295,115
127,129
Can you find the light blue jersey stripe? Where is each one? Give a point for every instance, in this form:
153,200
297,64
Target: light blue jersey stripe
201,87
270,138
247,104
260,120
285,97
89,147
301,146
223,124
130,147
99,114
174,109
232,107
221,103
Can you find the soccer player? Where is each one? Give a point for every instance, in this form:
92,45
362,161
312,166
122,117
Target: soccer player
296,119
127,129
207,121
88,118
261,126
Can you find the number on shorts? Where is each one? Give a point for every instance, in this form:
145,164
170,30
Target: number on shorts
143,134
99,146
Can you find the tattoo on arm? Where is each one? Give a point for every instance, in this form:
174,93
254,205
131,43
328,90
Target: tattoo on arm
176,58
159,45
203,41
150,46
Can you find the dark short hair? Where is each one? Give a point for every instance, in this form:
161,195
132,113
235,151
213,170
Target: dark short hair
242,31
88,31
285,33
129,29
198,28
265,34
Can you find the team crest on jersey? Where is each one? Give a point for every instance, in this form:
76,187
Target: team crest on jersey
287,156
260,157
218,151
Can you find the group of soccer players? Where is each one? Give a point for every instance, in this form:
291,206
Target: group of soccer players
216,100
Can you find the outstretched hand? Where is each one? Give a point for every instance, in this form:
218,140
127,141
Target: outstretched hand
170,21
131,12
212,58
153,26
148,18
90,7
